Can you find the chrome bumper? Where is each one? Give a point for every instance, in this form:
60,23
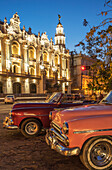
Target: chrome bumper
8,123
53,142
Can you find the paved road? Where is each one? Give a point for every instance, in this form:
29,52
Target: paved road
5,108
19,153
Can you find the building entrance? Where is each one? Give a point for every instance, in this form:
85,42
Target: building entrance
16,88
32,88
1,87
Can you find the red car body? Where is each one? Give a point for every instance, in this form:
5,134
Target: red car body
31,118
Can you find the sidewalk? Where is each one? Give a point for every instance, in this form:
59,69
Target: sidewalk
26,98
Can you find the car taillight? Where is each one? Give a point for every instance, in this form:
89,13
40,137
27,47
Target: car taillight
11,113
50,116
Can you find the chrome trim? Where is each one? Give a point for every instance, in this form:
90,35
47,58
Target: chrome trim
91,131
54,125
53,142
11,127
59,136
8,123
33,115
58,129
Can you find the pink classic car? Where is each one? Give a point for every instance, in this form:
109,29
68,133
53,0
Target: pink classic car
85,131
31,118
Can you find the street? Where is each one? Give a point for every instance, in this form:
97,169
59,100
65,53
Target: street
20,153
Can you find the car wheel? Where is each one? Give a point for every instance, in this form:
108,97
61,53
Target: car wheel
30,128
97,154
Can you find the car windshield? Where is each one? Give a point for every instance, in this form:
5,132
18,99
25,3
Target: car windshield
54,98
107,99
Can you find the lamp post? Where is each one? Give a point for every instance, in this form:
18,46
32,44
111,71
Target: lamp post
43,79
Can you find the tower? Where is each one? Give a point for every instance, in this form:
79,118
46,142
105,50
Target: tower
60,36
15,22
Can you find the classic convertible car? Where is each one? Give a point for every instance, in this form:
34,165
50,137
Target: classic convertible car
31,118
84,131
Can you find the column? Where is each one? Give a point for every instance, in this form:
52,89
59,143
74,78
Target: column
9,85
63,87
27,88
25,59
0,57
8,62
69,88
42,82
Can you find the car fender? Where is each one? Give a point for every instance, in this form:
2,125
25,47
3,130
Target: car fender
90,126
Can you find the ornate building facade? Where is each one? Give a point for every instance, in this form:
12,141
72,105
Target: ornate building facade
28,61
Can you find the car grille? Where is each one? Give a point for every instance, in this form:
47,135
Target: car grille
57,131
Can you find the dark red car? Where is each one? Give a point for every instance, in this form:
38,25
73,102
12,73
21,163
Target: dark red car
31,118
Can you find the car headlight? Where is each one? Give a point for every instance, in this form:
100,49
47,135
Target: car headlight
65,128
50,116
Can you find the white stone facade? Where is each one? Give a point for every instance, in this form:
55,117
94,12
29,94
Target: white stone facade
28,60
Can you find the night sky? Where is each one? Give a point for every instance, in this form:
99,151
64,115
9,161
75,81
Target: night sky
42,16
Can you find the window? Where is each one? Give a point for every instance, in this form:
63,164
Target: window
75,63
31,52
15,48
32,71
15,69
45,56
56,60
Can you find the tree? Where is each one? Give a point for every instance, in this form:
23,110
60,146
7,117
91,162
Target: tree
98,45
101,77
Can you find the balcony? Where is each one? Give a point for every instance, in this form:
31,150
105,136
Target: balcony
50,78
32,59
46,62
16,56
10,74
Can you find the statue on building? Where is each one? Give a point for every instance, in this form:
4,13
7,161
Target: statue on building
59,17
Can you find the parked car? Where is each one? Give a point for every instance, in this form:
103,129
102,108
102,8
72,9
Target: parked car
31,118
9,99
85,131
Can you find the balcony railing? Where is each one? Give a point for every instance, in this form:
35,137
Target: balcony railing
32,59
10,74
16,56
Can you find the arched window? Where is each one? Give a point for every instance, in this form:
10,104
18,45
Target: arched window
15,69
56,59
45,56
15,48
32,88
32,71
31,52
16,88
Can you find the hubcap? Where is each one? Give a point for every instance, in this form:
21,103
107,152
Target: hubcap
31,128
101,154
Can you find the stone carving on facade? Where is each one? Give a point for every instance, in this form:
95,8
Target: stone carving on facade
26,56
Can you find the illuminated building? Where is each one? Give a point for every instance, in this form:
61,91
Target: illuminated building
28,61
80,75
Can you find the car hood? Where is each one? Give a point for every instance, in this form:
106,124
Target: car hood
20,106
86,111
